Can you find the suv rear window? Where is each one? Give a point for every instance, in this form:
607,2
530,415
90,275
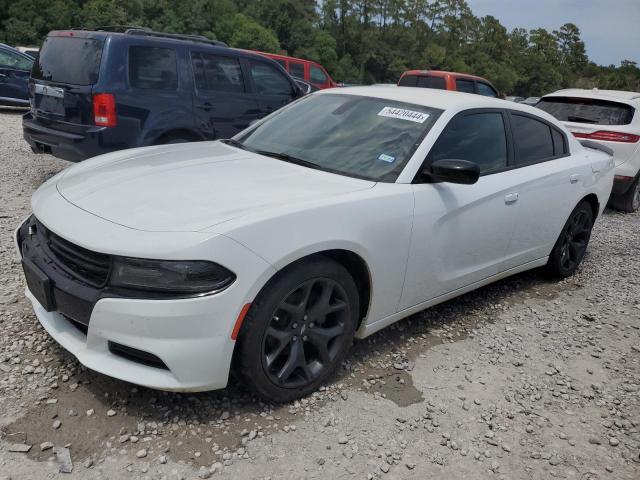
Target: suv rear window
153,68
422,81
587,110
72,60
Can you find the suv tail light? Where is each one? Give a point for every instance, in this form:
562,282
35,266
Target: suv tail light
609,136
104,110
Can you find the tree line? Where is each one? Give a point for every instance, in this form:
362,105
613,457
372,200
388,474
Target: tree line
358,41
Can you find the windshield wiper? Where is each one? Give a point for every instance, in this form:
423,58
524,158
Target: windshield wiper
288,158
571,118
235,143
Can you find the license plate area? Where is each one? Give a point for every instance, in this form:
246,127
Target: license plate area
39,284
49,99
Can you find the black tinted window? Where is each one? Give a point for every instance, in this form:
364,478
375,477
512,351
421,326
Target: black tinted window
153,68
533,139
558,142
71,60
268,80
408,81
431,82
486,90
478,138
465,86
296,69
216,73
586,110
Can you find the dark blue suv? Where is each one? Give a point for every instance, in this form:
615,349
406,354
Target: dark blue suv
94,92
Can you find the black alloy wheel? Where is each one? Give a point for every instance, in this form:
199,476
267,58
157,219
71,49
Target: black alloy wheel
571,246
298,330
305,332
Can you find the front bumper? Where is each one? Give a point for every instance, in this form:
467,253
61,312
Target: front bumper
189,337
181,333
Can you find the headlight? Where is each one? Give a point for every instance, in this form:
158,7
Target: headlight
171,276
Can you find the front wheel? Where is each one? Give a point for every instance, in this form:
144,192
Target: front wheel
572,243
298,330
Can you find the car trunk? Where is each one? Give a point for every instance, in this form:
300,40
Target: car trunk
604,121
62,81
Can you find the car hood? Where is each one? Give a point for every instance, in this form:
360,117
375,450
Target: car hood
190,187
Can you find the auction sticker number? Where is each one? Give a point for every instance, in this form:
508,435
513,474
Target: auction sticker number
403,114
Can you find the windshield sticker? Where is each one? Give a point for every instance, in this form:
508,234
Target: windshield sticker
402,114
386,158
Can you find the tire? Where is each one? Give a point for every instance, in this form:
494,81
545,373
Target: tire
288,344
628,202
569,249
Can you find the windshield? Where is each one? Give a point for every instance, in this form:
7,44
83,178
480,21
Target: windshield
587,110
71,60
364,137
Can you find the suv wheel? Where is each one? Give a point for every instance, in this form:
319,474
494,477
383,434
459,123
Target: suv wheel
298,330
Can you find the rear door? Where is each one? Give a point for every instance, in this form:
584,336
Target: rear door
222,95
63,79
547,184
14,77
272,87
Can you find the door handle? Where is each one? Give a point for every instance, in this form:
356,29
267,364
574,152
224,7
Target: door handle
574,178
510,198
207,106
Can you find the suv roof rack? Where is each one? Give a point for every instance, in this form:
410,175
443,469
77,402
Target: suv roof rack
112,28
176,36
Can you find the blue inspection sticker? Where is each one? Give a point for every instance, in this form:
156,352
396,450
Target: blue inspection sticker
386,158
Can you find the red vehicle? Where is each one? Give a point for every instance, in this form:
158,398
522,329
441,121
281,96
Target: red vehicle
457,82
310,72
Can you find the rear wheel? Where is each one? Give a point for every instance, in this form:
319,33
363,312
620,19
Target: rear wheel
630,201
572,243
298,330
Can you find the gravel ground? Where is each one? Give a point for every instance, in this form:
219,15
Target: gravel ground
524,379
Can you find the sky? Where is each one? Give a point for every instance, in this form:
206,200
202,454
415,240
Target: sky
610,29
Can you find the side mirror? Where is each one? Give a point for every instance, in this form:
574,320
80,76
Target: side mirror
304,87
453,171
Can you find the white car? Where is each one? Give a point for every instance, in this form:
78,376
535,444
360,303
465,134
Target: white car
610,117
332,218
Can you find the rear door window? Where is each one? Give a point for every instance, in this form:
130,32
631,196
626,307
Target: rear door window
486,90
71,60
153,68
587,110
268,80
217,73
478,137
296,69
533,140
465,86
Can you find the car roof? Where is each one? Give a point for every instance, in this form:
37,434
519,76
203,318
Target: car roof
284,57
443,73
434,98
595,93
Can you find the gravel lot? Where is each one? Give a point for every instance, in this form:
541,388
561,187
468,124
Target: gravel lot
525,379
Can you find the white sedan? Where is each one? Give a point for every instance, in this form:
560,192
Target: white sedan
332,218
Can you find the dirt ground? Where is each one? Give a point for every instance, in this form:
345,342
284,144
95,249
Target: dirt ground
524,379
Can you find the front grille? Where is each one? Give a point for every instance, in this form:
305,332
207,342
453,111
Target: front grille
89,267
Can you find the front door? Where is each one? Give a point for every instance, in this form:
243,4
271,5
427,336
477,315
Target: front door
14,77
223,103
272,88
461,233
